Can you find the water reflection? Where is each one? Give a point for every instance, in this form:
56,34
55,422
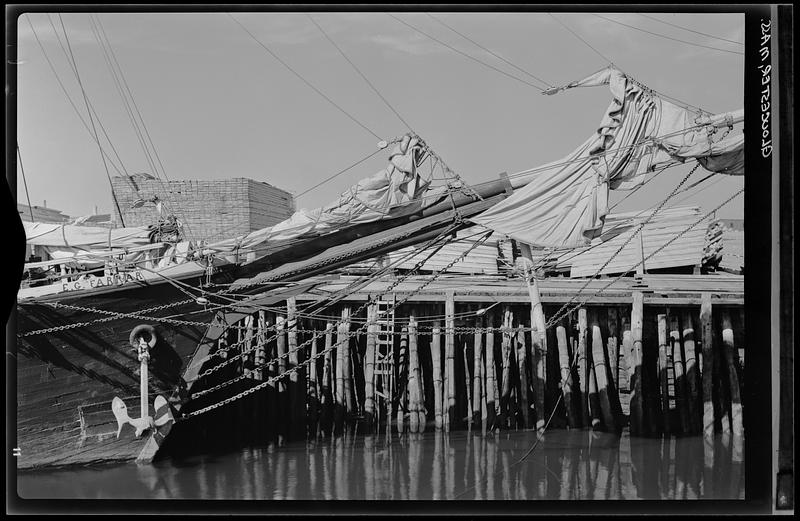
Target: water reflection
574,464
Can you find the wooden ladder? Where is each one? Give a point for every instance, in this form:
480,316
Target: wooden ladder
384,356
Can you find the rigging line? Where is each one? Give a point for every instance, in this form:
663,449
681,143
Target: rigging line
690,30
624,244
118,86
286,65
643,142
489,50
25,182
374,89
63,88
667,37
558,316
465,54
565,26
146,132
130,94
624,224
91,120
338,173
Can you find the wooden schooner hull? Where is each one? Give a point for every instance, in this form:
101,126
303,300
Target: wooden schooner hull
68,375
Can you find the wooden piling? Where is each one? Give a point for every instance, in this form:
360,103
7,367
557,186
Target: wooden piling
280,326
612,346
402,379
601,375
707,340
692,372
583,373
594,402
566,377
260,358
662,372
436,362
522,390
505,397
538,351
327,379
296,399
476,371
467,387
637,395
450,362
369,366
681,392
729,353
312,391
491,385
414,393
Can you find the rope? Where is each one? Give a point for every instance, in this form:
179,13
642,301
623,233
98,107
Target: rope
579,38
329,303
69,98
465,54
690,30
312,87
305,363
25,182
488,50
337,174
374,89
555,318
91,120
629,239
667,37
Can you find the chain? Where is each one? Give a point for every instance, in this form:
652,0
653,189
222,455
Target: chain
324,351
244,353
627,241
115,316
559,315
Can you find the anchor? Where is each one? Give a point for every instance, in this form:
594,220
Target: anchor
118,407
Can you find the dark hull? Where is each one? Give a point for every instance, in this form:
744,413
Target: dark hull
66,379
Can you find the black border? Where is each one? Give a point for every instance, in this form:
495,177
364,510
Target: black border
758,392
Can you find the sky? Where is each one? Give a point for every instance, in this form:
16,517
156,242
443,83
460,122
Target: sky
216,104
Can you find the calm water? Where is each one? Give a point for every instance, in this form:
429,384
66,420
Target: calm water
461,465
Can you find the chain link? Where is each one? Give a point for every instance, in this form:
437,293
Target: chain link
324,351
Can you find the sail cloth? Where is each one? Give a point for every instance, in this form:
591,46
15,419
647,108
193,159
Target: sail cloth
85,237
565,202
393,192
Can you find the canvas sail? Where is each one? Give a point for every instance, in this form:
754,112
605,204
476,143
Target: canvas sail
566,201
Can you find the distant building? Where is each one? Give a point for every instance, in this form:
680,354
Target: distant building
212,210
41,214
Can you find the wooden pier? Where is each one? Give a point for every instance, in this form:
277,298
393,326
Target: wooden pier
658,354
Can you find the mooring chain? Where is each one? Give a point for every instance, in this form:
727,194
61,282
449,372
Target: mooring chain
217,367
324,351
115,316
555,318
558,315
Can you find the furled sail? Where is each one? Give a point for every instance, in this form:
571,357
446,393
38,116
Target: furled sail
394,191
565,202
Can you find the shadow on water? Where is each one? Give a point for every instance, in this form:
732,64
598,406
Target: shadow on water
567,464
